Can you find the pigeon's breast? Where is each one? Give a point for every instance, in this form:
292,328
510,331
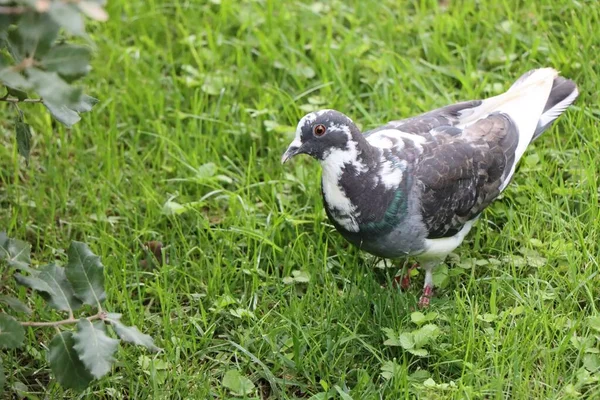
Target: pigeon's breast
404,240
368,198
394,231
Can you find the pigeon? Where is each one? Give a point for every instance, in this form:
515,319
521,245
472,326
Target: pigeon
415,187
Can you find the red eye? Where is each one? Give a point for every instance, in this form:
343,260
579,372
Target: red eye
319,130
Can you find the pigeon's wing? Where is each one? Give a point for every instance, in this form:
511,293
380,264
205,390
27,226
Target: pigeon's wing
458,175
405,137
534,101
427,124
464,155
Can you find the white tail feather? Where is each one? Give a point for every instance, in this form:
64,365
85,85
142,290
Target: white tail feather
535,86
524,103
553,113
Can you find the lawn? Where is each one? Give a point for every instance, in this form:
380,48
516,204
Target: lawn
198,100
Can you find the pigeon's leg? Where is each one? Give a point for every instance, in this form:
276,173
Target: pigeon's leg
428,287
404,281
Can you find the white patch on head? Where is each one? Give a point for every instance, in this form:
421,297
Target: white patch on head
306,120
333,127
321,112
298,136
310,119
333,164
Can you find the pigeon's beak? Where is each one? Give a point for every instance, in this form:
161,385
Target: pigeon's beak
291,151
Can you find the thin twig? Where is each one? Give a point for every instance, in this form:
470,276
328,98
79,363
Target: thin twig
40,6
15,100
16,106
13,10
71,320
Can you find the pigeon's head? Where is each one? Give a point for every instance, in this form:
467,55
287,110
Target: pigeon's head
321,132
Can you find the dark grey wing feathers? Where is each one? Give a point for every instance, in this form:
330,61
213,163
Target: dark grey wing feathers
426,124
459,175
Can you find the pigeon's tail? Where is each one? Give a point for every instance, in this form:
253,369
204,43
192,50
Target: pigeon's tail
563,94
536,99
524,104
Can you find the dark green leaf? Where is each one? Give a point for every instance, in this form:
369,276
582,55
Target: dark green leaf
86,274
69,116
35,283
37,32
19,94
62,296
53,88
23,138
68,60
16,304
94,347
13,79
14,44
62,113
15,252
12,333
133,335
65,363
6,20
85,104
5,61
238,384
67,16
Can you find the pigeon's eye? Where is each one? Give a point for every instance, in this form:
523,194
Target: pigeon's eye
319,130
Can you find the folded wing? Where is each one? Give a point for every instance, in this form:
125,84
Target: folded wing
459,175
464,155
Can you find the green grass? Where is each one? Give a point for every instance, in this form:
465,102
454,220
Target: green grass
199,100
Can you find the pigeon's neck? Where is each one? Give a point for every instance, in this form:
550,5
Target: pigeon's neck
348,163
357,153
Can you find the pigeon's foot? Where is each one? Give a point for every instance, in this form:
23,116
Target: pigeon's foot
424,300
428,287
404,281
